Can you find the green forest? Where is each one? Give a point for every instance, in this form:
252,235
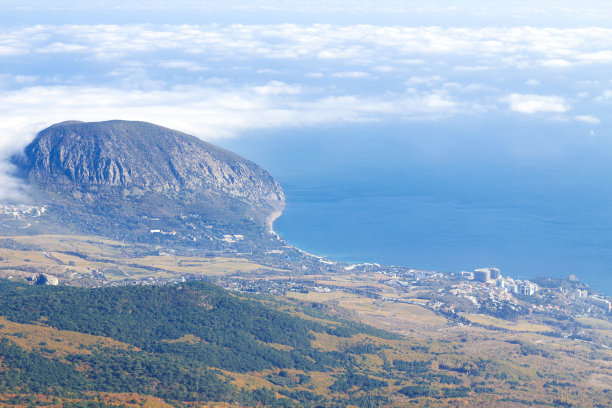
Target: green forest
234,334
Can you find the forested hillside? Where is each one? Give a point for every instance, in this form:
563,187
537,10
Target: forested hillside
181,343
195,344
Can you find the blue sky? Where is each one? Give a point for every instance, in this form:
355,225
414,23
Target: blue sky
223,70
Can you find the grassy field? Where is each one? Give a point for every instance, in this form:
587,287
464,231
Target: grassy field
595,323
520,326
46,254
397,317
60,342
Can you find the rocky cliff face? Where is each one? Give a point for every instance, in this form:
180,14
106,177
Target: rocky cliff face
141,157
127,169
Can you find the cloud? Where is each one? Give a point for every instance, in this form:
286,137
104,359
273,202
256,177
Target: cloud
429,80
479,48
468,87
472,68
61,47
181,64
207,79
9,80
144,58
268,71
277,88
555,63
210,112
351,74
598,57
11,143
383,68
531,104
12,189
592,120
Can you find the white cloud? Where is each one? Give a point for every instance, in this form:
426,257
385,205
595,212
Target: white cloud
277,88
25,79
207,111
351,74
468,88
532,104
588,82
411,61
482,48
181,64
436,101
383,68
592,120
419,80
11,143
199,78
598,57
21,80
555,63
266,71
11,188
61,47
472,68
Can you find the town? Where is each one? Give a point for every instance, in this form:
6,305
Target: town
274,267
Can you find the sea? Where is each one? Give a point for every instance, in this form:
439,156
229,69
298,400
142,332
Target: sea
531,199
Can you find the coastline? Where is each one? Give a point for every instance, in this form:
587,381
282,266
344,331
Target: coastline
270,221
276,215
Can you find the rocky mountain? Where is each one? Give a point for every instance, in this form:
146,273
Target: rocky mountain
118,172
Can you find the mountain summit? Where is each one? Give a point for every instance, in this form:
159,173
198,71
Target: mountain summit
142,156
124,171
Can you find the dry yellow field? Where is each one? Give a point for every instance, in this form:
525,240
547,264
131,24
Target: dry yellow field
114,259
62,342
216,266
595,323
395,317
317,297
520,326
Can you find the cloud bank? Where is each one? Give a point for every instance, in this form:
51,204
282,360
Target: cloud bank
209,112
217,81
520,47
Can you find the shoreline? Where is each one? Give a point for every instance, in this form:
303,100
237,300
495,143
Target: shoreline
276,215
351,265
270,220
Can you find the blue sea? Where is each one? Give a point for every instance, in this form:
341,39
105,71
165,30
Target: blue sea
530,199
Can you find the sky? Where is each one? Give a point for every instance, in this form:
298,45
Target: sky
221,70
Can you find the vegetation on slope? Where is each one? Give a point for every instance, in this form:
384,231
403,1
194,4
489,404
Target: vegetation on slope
181,338
195,343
